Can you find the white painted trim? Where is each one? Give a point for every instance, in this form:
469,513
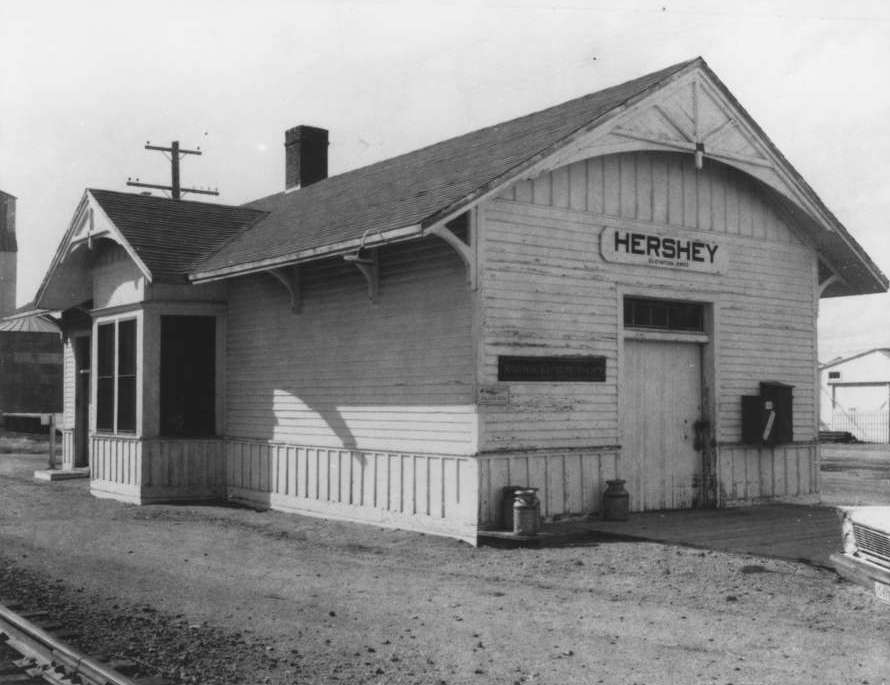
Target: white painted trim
665,336
87,210
467,253
99,320
388,237
289,277
708,342
118,237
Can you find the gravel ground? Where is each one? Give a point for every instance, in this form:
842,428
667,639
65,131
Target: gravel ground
206,594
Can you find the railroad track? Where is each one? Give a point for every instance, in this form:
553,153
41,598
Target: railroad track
32,651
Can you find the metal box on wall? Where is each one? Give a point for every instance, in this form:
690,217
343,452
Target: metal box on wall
767,418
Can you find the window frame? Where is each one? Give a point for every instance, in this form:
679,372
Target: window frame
115,377
671,309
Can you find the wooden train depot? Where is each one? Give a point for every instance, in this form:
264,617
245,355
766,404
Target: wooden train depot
580,295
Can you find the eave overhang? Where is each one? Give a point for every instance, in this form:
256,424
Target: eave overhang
690,111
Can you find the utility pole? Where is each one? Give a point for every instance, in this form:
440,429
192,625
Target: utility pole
174,188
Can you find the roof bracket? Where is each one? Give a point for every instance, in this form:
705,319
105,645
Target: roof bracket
369,267
467,252
289,277
827,276
824,285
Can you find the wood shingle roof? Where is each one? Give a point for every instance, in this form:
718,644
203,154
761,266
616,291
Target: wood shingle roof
415,188
171,236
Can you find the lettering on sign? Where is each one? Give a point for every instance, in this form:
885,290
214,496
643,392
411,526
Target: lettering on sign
575,369
632,246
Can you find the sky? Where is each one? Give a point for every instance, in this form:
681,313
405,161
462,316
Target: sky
84,86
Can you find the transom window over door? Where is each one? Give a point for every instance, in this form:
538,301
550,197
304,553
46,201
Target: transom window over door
664,315
116,377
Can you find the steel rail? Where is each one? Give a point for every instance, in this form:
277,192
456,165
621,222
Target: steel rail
51,652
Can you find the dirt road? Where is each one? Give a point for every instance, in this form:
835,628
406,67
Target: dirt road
225,595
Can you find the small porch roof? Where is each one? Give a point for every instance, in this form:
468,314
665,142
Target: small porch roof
164,238
30,319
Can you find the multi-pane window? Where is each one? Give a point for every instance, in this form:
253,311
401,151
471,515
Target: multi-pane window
664,315
116,377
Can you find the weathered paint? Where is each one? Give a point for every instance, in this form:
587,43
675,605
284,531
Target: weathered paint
545,287
390,411
427,492
570,481
746,474
661,401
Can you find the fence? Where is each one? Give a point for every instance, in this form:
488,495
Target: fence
865,426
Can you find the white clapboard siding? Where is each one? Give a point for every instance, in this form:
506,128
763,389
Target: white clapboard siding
545,289
570,482
396,374
766,324
435,493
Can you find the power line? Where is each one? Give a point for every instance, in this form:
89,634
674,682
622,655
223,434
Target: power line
175,189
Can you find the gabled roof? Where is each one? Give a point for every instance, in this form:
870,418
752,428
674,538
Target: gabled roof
411,191
411,195
171,236
404,197
842,360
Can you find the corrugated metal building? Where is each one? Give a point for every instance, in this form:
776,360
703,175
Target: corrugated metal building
30,347
625,285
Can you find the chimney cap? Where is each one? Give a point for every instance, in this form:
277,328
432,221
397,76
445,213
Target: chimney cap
297,133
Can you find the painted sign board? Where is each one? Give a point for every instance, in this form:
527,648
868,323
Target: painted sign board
674,250
575,369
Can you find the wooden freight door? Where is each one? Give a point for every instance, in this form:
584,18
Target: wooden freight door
661,400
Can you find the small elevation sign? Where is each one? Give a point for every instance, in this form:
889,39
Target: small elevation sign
578,369
664,250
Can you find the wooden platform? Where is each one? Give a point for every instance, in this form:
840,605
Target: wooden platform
62,474
856,474
784,531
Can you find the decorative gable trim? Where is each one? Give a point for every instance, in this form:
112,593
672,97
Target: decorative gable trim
697,115
89,223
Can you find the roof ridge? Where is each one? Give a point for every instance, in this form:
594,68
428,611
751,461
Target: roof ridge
666,71
155,198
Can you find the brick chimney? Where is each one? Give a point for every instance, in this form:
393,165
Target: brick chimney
305,156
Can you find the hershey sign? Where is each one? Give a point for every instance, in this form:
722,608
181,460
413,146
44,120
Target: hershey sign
648,248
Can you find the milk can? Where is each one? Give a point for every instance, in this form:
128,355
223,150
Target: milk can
526,512
508,497
616,501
